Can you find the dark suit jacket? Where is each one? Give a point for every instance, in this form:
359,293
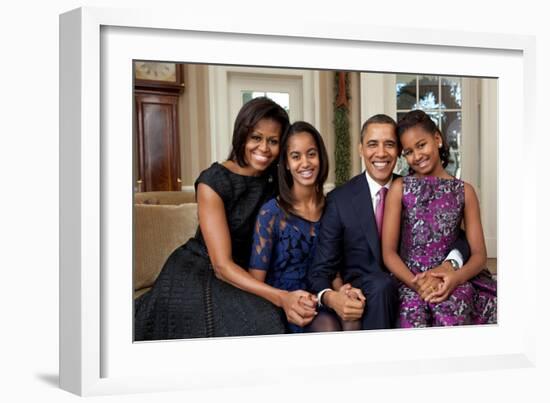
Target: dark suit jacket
348,239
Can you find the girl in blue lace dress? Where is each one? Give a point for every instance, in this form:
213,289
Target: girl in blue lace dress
285,235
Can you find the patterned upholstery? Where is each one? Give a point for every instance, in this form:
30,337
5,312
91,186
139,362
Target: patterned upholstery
162,222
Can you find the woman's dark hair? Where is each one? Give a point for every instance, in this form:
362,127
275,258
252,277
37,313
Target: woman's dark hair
421,118
250,114
286,200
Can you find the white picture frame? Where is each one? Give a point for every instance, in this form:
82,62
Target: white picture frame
97,355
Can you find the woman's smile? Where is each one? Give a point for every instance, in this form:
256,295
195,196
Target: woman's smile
260,157
262,146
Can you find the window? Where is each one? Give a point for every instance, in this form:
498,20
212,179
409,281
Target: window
465,109
231,86
285,90
282,98
441,98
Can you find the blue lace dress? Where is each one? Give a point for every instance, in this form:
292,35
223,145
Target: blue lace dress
284,246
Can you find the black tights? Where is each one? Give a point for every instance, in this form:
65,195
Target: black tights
327,321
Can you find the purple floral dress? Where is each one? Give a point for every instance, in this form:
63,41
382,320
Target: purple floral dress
431,215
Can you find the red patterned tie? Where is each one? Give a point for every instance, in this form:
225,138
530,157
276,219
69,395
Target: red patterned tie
379,213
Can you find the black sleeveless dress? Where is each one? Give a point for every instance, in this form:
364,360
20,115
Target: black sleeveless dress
187,300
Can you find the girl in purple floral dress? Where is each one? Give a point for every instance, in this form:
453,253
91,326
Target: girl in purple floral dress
422,218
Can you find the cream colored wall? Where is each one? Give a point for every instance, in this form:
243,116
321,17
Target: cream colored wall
135,169
355,122
488,163
194,126
194,123
326,116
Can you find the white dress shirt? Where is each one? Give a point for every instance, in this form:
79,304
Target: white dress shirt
375,188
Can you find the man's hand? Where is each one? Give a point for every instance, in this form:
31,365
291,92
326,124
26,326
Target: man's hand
445,267
348,302
353,292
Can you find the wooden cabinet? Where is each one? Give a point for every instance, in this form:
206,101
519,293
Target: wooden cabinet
158,148
157,87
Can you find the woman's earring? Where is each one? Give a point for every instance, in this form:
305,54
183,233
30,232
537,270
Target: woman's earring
440,145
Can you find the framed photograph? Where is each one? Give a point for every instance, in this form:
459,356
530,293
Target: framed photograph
97,351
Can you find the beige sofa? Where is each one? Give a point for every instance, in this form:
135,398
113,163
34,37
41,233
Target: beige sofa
162,222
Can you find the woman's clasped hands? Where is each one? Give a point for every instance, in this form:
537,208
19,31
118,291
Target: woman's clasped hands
300,307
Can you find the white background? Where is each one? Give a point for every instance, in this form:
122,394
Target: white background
29,198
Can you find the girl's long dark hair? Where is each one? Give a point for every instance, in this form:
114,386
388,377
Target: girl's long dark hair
286,200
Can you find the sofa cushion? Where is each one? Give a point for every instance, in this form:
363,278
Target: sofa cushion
164,197
159,230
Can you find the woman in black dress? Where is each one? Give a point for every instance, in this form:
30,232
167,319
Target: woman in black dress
204,289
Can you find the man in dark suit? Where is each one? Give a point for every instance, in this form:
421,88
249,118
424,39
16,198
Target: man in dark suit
349,239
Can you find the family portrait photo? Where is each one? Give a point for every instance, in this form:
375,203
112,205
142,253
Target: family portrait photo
313,201
273,200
